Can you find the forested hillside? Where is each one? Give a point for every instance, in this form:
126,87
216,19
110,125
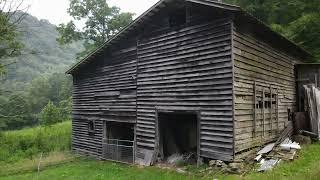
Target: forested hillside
41,56
298,20
35,88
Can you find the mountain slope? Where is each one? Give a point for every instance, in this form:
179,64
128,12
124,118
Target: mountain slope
41,55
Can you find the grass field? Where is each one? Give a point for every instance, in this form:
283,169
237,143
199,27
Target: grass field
307,166
29,143
21,150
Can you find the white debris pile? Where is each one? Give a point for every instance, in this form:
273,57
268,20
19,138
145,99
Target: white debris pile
287,145
178,159
175,158
268,164
272,154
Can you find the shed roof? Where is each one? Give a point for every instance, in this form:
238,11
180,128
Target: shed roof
239,13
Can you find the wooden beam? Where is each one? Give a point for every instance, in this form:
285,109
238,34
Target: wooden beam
263,115
271,109
277,109
254,108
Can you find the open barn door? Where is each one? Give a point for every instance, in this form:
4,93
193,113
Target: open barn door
118,143
178,133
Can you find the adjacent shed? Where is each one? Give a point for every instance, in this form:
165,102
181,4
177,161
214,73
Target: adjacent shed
187,75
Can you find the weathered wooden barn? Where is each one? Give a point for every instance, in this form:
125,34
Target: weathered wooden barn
187,75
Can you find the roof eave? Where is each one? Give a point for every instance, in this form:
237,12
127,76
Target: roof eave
137,20
161,4
267,27
120,33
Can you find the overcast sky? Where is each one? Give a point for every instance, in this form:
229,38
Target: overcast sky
56,10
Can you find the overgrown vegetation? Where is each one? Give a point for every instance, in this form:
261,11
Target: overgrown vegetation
45,99
35,76
101,22
29,143
298,20
35,90
9,20
40,56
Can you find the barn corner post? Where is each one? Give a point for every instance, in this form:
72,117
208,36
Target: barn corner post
104,138
157,137
135,146
199,159
233,83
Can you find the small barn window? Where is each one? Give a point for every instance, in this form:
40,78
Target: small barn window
259,105
91,126
177,18
268,102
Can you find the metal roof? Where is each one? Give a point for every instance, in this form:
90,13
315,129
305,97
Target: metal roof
162,4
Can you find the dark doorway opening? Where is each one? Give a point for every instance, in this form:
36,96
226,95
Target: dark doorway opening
178,135
118,144
123,131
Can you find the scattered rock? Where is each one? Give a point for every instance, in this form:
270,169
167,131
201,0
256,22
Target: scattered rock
212,162
236,168
221,164
217,163
180,170
206,169
235,165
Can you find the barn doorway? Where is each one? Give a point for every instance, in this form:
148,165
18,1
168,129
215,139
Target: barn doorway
178,137
118,143
119,130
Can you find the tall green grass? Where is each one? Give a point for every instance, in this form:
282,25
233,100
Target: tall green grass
29,143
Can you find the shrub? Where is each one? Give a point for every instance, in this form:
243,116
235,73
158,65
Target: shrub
65,108
50,114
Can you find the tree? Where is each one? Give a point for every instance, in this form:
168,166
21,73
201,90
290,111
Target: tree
27,108
50,114
298,20
65,108
305,31
38,93
10,17
15,112
101,22
60,87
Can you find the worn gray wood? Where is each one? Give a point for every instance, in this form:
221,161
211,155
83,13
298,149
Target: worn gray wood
211,65
258,64
255,108
190,74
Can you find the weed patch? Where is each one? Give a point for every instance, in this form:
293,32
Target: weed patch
28,143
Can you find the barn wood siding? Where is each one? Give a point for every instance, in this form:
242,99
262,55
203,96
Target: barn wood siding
105,92
256,61
188,69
